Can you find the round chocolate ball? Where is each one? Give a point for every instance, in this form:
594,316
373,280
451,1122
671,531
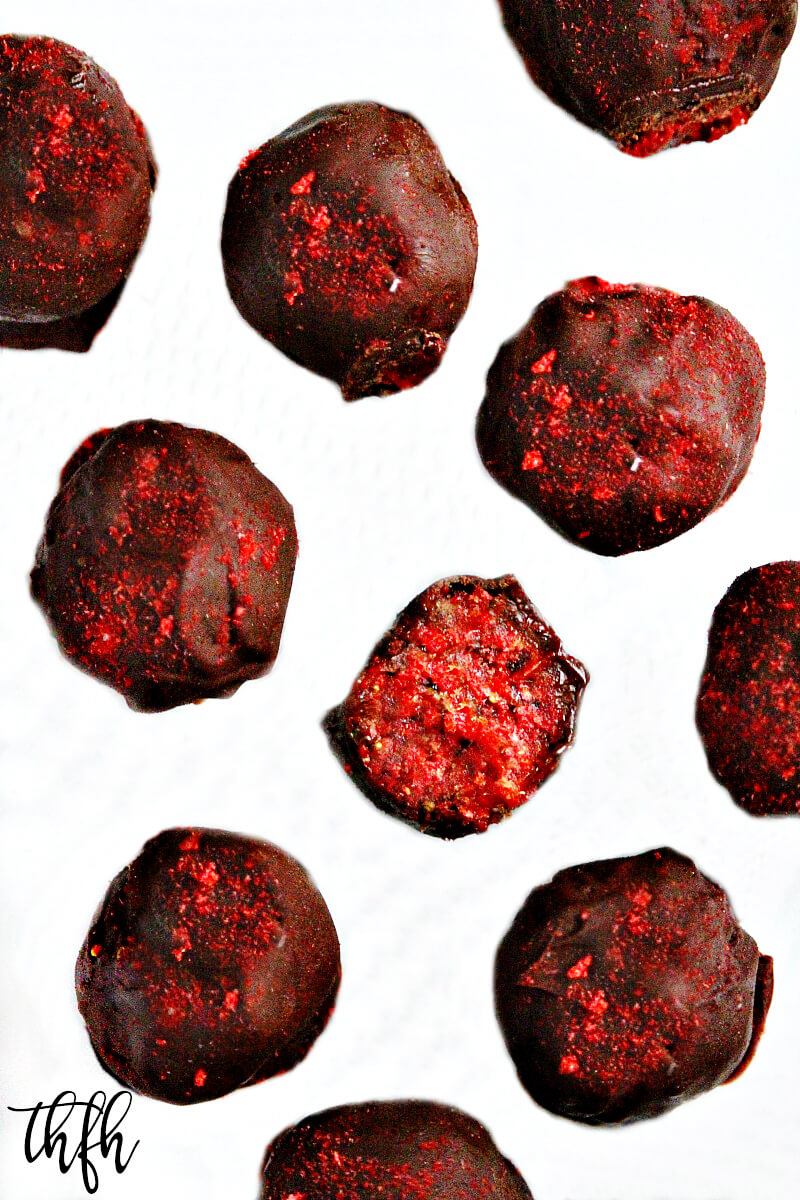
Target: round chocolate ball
748,707
166,564
623,414
627,986
76,176
211,964
349,245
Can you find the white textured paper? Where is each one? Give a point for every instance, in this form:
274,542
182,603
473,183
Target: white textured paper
389,495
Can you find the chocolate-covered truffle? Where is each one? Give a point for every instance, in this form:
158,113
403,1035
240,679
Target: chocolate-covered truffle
748,707
626,986
399,1150
623,414
349,245
211,964
76,175
166,564
650,75
463,709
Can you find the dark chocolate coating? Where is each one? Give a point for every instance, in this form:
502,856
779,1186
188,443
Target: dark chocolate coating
748,707
75,334
349,245
76,176
166,564
211,964
623,414
398,1150
627,986
650,75
463,709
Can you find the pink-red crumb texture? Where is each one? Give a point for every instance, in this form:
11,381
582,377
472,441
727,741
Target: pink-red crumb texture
401,1150
627,986
748,707
623,414
463,709
348,244
76,175
212,963
166,564
651,74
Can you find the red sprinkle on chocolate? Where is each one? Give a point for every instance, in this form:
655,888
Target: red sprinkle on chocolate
748,707
463,709
650,75
626,986
544,365
581,968
303,186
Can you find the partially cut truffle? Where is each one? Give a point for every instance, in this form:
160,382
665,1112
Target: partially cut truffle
349,245
166,564
623,414
398,1150
626,986
76,176
748,707
463,709
211,964
650,75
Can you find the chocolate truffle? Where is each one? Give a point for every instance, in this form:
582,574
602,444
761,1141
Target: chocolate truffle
463,709
166,564
627,986
623,414
748,708
349,245
650,75
76,175
399,1150
211,964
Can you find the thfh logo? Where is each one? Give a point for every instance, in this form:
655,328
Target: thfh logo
47,1134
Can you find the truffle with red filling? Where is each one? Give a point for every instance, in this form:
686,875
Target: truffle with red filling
398,1150
463,709
211,964
748,707
627,986
349,245
650,75
166,564
76,176
623,414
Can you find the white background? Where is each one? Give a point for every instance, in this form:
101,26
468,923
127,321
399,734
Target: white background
389,495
